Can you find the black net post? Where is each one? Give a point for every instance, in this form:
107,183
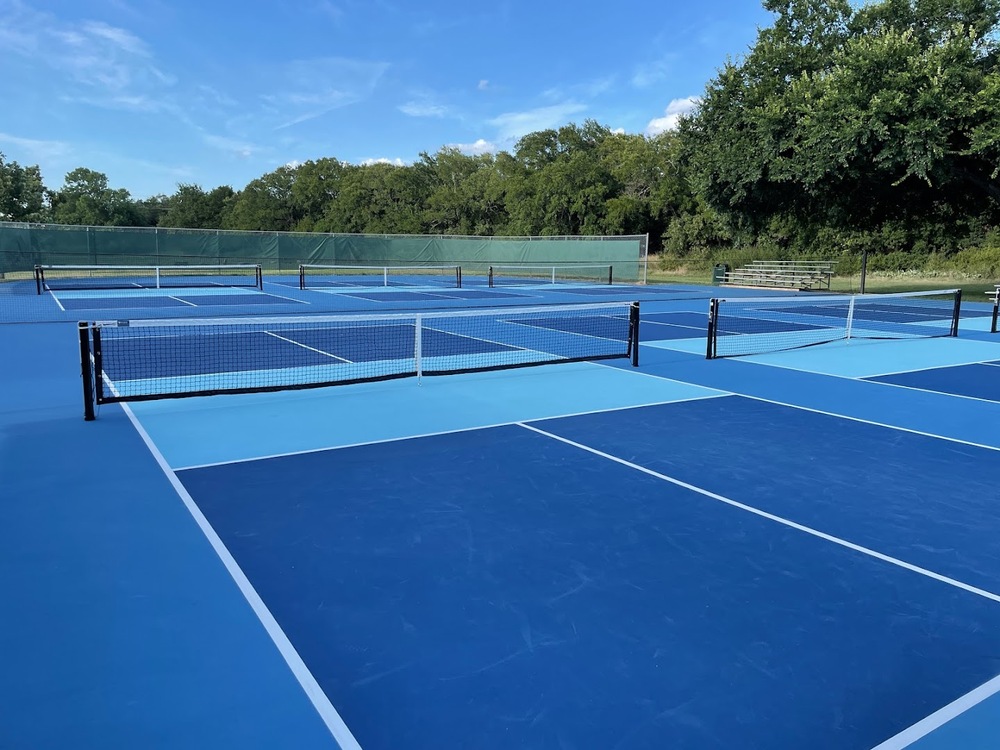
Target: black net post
260,277
957,314
87,372
611,270
633,339
491,276
98,354
713,316
39,279
458,276
302,277
996,311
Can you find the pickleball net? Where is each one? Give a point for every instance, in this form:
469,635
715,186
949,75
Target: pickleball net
566,273
759,325
140,360
319,276
100,276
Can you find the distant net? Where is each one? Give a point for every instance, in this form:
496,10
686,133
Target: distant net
332,275
758,325
519,275
140,360
58,277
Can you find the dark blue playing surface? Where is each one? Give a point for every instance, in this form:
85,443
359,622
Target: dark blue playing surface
505,597
976,380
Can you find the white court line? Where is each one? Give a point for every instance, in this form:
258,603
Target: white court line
931,390
701,329
562,330
57,300
856,378
777,519
169,296
818,411
457,431
935,367
870,421
279,296
941,717
513,347
310,348
334,723
989,364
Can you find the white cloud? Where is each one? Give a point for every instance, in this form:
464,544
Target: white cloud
423,109
397,162
618,131
597,86
478,148
120,38
675,110
230,145
311,88
329,9
652,72
94,55
513,125
483,85
36,149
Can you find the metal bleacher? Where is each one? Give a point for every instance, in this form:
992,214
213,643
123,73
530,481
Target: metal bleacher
801,275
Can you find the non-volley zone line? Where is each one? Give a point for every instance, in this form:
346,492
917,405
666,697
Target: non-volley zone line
439,433
771,516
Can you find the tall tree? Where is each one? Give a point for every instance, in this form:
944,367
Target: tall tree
564,185
457,203
853,117
379,199
193,208
22,194
316,186
86,198
265,204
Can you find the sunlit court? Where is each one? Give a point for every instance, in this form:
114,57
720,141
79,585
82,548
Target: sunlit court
500,376
575,514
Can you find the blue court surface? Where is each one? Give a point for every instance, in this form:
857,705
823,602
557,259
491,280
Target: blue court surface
795,549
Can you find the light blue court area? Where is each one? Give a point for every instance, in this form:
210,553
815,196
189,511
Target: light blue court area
858,358
238,427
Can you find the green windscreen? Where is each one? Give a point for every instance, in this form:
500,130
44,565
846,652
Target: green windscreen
23,246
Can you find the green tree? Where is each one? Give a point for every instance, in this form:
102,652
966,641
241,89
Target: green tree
22,193
265,204
564,186
316,186
854,117
193,208
85,198
151,210
379,199
460,201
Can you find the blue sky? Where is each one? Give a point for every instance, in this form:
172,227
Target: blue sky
155,92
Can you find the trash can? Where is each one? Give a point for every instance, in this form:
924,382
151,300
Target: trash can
719,272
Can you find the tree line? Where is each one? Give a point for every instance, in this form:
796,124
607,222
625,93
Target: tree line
574,180
842,128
